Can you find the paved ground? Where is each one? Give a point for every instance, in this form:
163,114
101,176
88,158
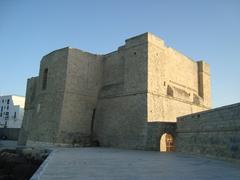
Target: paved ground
115,164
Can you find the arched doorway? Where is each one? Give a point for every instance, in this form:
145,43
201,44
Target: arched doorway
167,143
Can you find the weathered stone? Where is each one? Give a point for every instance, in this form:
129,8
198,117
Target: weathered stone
214,132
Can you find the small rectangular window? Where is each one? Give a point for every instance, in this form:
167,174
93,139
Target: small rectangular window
8,101
15,115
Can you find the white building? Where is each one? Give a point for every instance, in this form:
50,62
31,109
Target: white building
11,111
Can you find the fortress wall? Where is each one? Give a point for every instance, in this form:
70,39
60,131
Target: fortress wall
84,79
113,68
173,83
121,121
46,114
46,118
135,65
121,110
113,74
169,67
204,83
215,132
56,63
28,110
167,109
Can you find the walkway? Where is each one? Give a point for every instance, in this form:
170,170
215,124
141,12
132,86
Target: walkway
116,164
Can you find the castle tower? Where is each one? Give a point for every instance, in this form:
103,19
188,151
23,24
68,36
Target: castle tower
126,98
61,100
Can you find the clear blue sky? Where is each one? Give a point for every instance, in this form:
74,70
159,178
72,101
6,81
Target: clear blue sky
200,29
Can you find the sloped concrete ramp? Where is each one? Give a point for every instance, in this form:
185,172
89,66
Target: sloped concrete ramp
117,164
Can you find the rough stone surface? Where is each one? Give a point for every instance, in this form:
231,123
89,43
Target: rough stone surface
117,164
215,132
113,99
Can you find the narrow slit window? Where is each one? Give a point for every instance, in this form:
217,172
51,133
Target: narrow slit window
93,118
45,76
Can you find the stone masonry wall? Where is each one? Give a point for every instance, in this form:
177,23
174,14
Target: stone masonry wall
83,81
47,105
29,110
121,112
43,105
215,132
176,83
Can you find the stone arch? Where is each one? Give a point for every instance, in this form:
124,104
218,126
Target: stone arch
167,142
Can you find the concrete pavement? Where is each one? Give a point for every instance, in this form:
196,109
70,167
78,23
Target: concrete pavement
118,164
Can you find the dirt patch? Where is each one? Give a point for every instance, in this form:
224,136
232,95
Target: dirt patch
20,164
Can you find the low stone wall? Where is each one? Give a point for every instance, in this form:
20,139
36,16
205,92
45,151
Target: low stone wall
10,133
214,132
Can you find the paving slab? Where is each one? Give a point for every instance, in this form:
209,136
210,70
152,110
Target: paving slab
118,164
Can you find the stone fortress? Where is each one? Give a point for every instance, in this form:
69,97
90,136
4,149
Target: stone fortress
128,98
